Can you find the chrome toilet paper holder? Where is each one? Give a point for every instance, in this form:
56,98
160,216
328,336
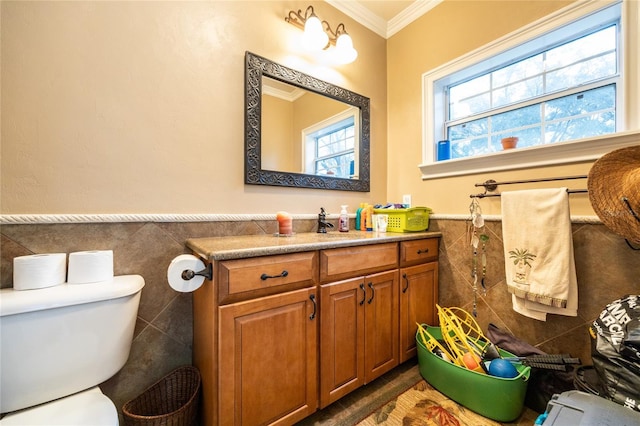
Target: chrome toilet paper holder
207,272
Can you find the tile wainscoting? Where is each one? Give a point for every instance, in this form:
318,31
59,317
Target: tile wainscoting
606,268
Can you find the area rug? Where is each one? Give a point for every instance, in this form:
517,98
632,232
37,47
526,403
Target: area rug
423,405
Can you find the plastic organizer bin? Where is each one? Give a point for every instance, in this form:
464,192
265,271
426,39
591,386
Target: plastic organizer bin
493,397
413,219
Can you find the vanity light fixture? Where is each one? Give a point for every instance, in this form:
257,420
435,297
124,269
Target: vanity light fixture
318,35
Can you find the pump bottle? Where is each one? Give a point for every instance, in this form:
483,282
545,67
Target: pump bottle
343,222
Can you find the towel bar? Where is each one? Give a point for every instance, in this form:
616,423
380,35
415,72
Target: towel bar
491,185
570,191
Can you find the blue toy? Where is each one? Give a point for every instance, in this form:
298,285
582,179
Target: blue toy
502,368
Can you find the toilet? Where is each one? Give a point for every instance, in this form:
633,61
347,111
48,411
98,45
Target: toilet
58,344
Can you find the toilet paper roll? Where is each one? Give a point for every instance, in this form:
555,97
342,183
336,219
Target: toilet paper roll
39,271
90,266
182,263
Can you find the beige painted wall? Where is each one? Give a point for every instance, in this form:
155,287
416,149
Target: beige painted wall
137,107
448,31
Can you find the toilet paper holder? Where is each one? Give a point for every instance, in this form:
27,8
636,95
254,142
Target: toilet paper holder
207,272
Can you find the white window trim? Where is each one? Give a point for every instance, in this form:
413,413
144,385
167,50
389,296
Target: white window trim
552,154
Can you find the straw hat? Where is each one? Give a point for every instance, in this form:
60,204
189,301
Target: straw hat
614,191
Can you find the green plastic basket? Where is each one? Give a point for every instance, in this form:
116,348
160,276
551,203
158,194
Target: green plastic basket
493,397
413,219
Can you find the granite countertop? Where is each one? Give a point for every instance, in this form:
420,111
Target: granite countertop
225,248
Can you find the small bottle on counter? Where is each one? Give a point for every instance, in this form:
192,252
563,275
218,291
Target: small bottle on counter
369,226
364,222
343,222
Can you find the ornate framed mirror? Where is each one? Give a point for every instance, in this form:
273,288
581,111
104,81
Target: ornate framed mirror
303,132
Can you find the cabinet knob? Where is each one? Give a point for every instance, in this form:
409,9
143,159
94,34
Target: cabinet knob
364,294
425,251
406,279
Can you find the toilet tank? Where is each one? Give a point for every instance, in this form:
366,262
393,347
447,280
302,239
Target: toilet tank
60,340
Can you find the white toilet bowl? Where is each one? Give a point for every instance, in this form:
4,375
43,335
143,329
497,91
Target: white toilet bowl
90,407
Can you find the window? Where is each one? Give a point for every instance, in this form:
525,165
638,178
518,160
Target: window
554,83
540,99
330,146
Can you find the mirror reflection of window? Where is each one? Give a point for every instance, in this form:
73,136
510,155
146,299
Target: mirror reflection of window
309,133
330,148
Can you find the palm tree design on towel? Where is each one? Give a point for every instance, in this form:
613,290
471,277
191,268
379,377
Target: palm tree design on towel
522,258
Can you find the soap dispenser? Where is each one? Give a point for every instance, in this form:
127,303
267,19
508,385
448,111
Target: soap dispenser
343,222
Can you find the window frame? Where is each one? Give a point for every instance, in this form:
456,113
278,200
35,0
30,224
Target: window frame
580,150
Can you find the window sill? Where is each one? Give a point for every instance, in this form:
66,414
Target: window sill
569,152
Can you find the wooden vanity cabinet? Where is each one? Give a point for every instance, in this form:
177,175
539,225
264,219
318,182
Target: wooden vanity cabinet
277,336
358,319
418,291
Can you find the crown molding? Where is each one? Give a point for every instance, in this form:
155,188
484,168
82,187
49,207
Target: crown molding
360,13
410,14
375,23
289,96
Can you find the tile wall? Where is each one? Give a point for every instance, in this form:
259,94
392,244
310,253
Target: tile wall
606,269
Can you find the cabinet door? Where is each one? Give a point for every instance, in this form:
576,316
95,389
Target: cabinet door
418,298
268,359
341,339
381,324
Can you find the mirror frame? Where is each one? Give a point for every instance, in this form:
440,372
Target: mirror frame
256,67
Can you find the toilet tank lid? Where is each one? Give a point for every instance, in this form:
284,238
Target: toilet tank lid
21,301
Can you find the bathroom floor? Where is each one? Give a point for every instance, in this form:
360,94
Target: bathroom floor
356,406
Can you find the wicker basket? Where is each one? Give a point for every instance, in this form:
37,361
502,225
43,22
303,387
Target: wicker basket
172,401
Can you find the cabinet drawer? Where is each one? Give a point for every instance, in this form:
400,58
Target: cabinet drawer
259,276
350,262
418,251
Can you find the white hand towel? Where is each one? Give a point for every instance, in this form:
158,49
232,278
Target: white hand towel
538,248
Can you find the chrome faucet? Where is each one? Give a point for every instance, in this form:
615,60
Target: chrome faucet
322,222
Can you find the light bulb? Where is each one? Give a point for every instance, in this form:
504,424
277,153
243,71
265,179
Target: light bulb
314,37
345,52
